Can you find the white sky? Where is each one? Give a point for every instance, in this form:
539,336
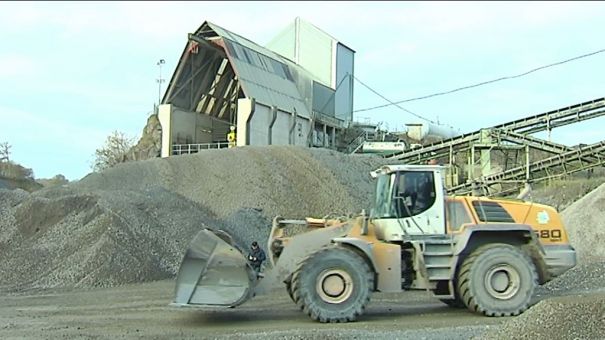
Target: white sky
73,72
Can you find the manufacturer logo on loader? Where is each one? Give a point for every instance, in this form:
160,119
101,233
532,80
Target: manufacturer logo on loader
543,217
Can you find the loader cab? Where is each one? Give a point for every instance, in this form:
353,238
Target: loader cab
409,200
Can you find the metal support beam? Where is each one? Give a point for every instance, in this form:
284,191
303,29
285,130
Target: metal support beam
172,95
291,136
205,43
205,86
333,137
271,123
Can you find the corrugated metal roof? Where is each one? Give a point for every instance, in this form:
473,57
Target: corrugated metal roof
263,74
245,42
270,89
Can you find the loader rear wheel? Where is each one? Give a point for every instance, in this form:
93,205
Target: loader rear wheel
333,285
497,280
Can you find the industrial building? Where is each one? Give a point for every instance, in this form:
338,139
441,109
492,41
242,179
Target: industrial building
298,90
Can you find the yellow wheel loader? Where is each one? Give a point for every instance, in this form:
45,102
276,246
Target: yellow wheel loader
484,254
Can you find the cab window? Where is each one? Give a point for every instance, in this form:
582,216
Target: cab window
414,193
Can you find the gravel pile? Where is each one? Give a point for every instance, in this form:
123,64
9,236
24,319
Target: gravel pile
582,278
132,223
566,317
585,223
94,239
278,180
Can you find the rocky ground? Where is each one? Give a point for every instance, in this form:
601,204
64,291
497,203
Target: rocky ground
142,311
84,259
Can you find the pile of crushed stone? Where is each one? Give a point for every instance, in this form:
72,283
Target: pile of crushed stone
133,223
585,224
582,278
584,221
565,317
279,180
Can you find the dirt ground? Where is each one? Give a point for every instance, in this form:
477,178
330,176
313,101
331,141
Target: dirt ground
143,311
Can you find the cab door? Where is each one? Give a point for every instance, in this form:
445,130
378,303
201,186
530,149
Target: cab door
418,202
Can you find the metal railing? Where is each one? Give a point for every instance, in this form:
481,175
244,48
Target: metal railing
184,149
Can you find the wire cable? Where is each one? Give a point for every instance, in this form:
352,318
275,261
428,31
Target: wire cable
480,84
390,102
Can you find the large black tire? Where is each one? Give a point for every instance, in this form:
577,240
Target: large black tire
333,285
497,280
289,289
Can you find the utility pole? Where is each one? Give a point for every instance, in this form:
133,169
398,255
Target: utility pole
160,81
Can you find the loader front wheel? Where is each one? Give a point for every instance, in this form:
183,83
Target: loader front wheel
333,285
497,280
289,289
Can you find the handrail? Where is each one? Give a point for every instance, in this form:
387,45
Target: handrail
184,149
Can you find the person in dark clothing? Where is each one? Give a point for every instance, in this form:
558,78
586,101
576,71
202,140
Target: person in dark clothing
256,256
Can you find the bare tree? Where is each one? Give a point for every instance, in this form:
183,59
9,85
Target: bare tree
5,151
114,151
57,180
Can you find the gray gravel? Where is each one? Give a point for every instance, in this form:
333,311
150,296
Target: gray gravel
580,279
585,223
278,180
96,239
132,223
568,317
449,333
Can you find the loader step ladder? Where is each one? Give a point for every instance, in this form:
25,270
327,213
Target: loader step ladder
437,260
437,255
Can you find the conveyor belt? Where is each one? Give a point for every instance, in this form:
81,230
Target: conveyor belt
562,164
540,122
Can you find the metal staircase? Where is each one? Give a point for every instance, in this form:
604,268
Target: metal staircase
357,143
438,255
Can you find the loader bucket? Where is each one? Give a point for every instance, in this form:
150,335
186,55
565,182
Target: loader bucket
214,272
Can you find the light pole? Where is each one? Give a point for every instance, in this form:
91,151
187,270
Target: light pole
160,81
